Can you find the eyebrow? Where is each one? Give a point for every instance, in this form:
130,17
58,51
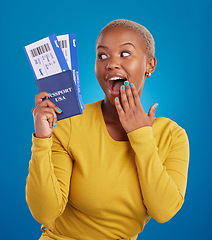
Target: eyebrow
127,43
101,46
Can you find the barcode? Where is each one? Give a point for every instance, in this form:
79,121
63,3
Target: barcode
63,44
40,50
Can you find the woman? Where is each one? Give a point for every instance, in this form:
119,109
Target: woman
104,174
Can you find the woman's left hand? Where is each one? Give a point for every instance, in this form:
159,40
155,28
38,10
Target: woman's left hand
131,113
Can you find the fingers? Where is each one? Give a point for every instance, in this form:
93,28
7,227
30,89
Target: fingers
47,110
128,104
45,115
119,108
152,111
131,113
136,98
51,117
47,103
124,99
129,96
39,97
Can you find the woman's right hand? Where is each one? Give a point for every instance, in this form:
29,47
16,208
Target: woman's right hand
44,114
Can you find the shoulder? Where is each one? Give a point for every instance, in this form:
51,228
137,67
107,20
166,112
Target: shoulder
163,122
91,107
91,112
89,115
166,123
165,127
80,123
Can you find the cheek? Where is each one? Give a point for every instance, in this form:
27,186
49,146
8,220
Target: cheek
98,69
138,75
137,66
99,73
137,72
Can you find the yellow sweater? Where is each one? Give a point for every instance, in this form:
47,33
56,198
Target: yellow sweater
82,184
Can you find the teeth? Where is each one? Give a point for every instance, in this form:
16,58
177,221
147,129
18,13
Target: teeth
115,78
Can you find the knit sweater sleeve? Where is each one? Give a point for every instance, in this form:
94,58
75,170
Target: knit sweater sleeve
162,183
48,181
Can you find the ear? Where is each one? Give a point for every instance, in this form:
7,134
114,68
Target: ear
151,64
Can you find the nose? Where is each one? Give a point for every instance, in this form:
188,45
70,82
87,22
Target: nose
112,63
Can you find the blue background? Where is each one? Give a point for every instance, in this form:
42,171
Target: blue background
181,85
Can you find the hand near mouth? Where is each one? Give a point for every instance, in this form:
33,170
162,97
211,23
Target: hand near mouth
131,113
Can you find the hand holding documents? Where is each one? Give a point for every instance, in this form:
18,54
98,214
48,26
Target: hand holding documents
55,66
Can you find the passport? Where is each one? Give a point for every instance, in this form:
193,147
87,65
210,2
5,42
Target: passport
54,72
64,93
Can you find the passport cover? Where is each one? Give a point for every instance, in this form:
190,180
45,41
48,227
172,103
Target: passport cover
64,93
75,65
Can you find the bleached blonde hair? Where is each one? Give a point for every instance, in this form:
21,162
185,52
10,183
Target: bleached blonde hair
146,35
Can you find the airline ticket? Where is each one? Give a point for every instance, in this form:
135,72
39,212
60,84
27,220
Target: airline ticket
46,57
55,54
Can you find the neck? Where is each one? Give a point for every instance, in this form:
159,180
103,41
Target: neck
109,112
113,124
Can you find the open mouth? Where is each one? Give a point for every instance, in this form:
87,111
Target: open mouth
115,83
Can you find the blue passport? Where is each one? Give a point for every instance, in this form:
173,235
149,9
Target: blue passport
64,94
55,74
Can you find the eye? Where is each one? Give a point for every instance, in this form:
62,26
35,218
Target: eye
102,56
125,54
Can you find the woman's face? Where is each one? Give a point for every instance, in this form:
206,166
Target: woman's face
120,56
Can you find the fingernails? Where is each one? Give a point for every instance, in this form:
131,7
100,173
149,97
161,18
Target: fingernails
156,105
55,125
123,87
49,93
131,85
126,83
117,99
59,110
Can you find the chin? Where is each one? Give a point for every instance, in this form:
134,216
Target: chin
110,99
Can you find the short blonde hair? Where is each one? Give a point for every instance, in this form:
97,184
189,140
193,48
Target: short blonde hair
146,35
